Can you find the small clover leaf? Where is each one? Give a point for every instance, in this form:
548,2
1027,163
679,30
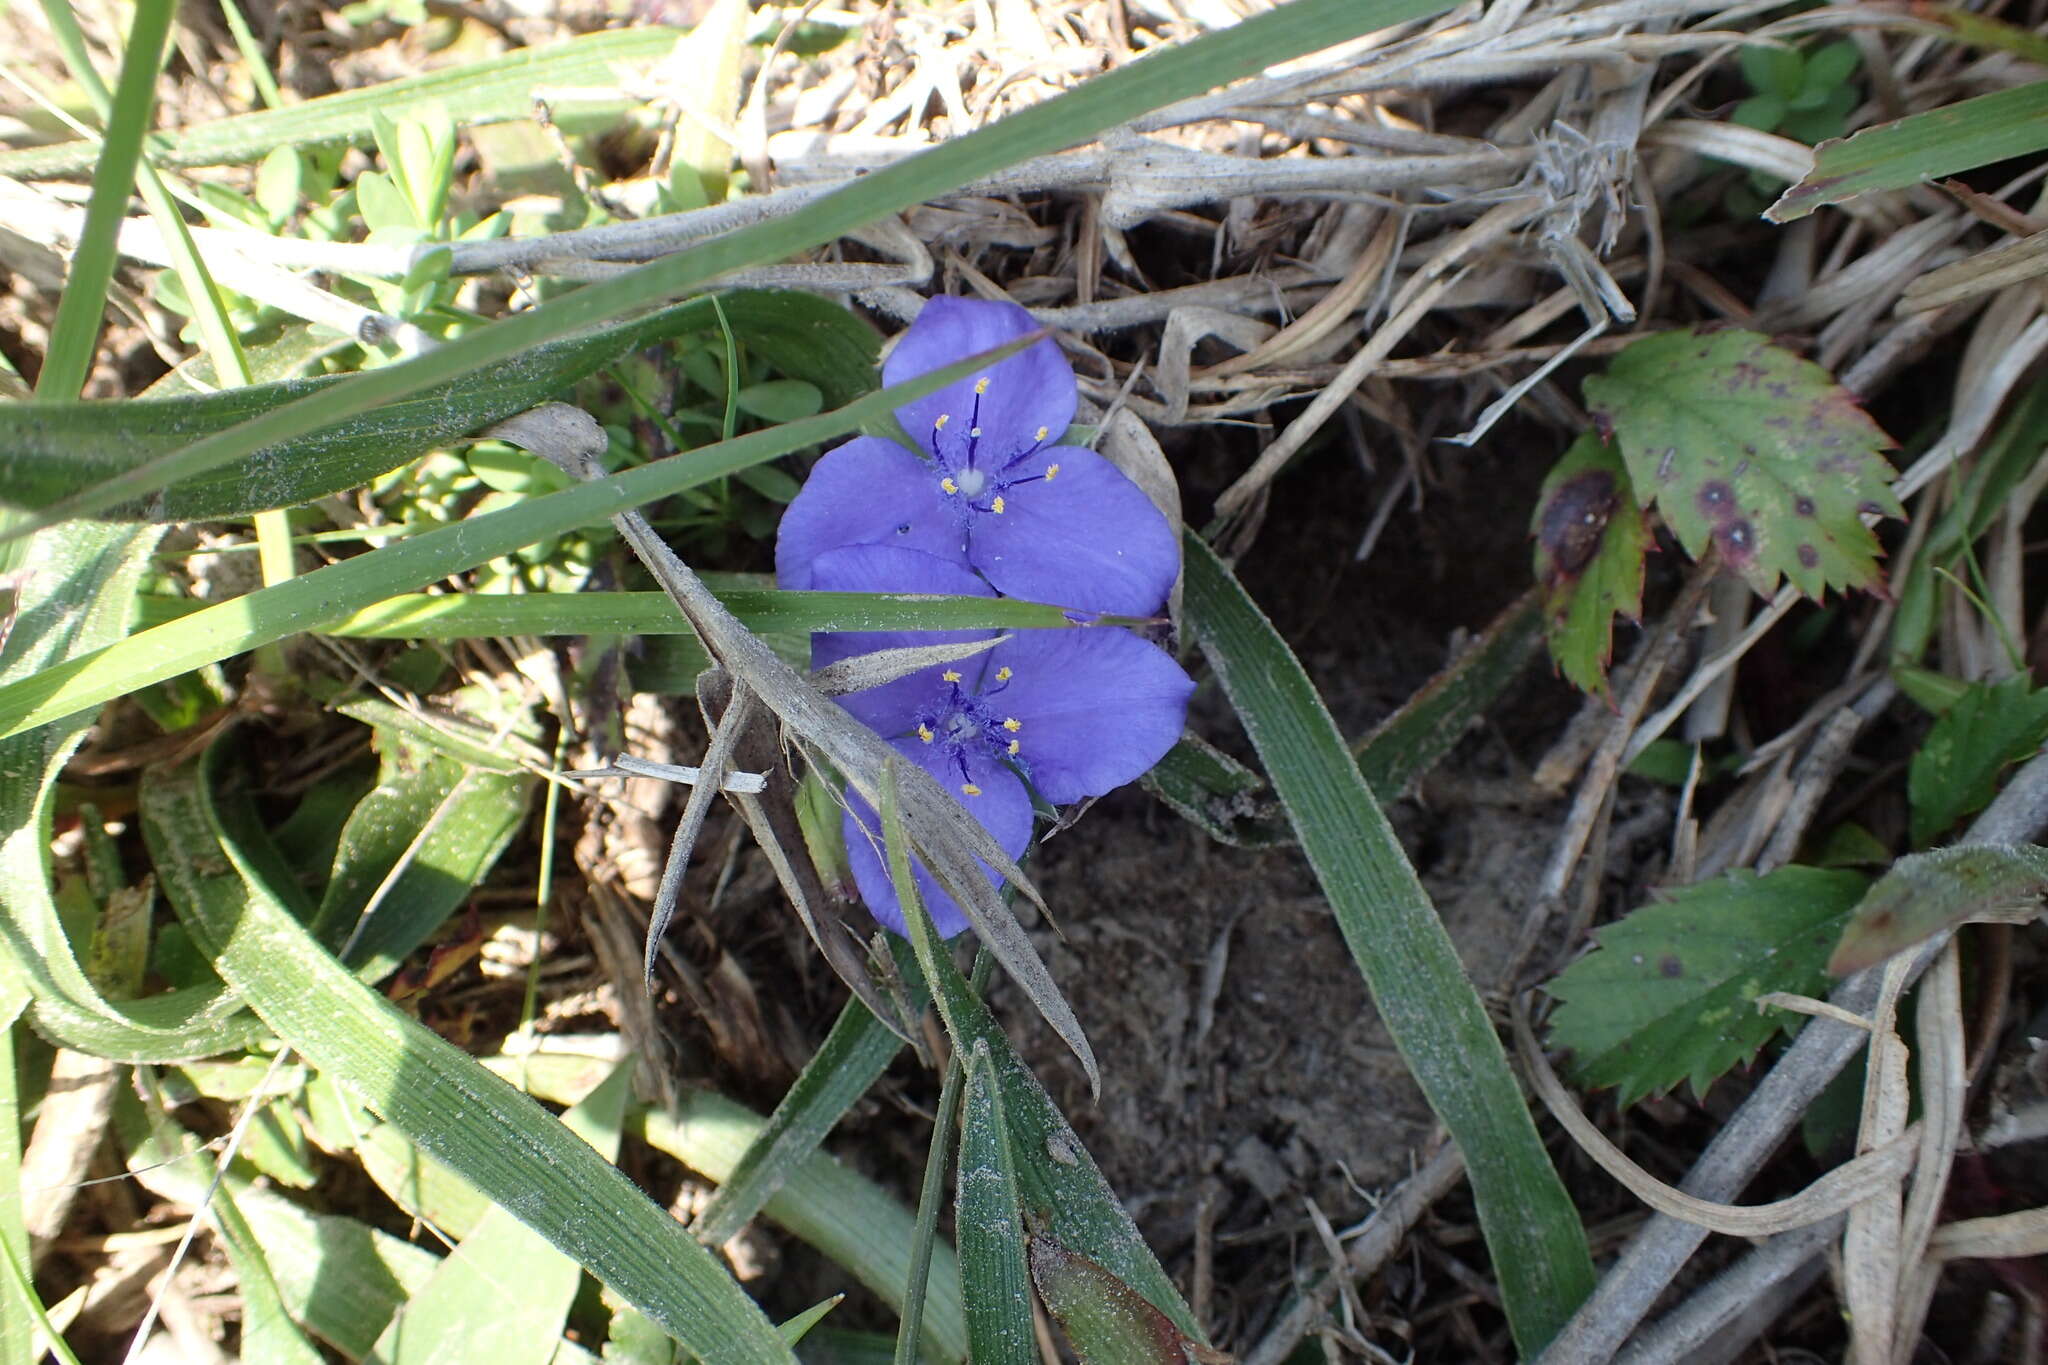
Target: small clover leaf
1591,541
1668,995
1745,446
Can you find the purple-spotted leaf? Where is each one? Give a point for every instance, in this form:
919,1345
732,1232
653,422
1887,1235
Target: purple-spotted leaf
1106,1321
1742,445
1925,893
1591,540
1670,993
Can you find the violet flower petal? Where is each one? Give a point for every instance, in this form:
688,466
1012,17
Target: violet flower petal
1003,807
866,492
1087,537
1028,391
890,710
1095,708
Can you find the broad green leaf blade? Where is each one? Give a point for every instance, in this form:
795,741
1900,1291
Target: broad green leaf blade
1106,1321
1408,961
488,91
1955,770
417,1183
314,600
496,1138
1667,997
1742,445
78,587
1104,102
413,850
74,335
50,451
268,1332
425,616
1926,893
1592,541
504,1293
991,1228
1921,147
850,1219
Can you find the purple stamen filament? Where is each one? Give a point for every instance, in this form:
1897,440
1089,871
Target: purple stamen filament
962,723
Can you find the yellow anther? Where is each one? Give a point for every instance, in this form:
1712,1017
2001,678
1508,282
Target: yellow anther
950,675
1015,745
1012,724
969,789
1052,471
981,384
997,505
948,485
1003,674
1041,433
944,418
924,732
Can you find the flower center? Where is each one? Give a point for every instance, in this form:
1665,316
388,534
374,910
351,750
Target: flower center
971,481
966,723
979,468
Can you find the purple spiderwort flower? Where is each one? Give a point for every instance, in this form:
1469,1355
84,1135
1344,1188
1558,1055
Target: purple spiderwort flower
1075,713
1045,522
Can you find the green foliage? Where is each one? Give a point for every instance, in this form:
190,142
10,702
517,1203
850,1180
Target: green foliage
1922,147
1741,445
1955,770
1591,540
1106,1322
1804,95
1667,995
1926,893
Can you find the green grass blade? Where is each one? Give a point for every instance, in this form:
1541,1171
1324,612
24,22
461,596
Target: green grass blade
993,1279
422,616
18,1304
853,1057
496,1138
1539,1248
489,91
74,336
504,1293
1921,147
315,600
1108,100
844,1215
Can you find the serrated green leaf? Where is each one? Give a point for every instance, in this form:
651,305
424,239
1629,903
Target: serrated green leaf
1667,996
1742,445
1955,770
1592,541
1925,893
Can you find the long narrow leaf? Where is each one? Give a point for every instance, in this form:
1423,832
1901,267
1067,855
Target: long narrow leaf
1278,35
497,1138
489,91
1408,961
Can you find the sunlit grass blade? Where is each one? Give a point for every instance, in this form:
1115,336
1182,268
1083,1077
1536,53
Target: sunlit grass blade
421,616
498,1139
487,91
1408,961
75,334
504,1293
853,1057
18,1305
847,1217
1283,33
